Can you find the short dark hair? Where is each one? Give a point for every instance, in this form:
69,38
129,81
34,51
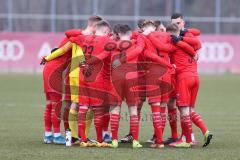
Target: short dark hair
148,23
141,22
157,23
122,28
116,29
103,23
176,15
95,18
172,28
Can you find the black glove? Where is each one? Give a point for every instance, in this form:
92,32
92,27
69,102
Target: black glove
116,63
180,38
43,61
175,39
54,49
183,32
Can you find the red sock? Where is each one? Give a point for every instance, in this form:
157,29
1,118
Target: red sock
82,122
55,116
114,121
187,127
172,118
163,118
98,122
106,119
65,117
134,126
157,123
139,108
47,118
183,132
197,120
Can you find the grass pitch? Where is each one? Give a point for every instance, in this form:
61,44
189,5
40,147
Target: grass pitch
21,124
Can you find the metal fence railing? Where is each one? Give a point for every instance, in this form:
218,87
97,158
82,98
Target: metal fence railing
217,17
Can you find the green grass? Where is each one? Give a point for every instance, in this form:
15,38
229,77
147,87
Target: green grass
21,124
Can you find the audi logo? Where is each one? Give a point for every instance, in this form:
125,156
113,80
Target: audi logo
11,50
216,52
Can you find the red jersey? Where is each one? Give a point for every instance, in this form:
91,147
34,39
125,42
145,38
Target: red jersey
60,63
73,33
193,39
150,53
164,37
65,58
131,52
184,62
194,31
94,50
181,53
143,50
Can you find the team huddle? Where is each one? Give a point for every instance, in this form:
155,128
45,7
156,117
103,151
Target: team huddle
94,70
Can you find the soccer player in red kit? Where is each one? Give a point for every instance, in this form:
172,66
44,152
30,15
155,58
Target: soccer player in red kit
171,105
151,56
122,82
89,30
129,138
168,99
53,101
184,110
124,79
59,60
92,81
159,102
177,19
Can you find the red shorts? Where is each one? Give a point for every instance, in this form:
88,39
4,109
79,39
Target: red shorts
52,96
126,85
92,93
112,97
187,89
52,80
46,74
165,88
173,93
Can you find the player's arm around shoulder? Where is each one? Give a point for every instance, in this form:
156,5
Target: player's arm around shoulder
60,51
